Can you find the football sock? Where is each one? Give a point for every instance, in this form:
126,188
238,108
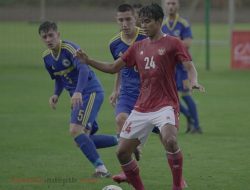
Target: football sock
175,162
89,150
131,170
104,141
184,110
192,109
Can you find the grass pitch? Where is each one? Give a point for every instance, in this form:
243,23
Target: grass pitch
37,152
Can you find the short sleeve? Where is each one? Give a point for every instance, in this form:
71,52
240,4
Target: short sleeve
186,33
129,56
112,50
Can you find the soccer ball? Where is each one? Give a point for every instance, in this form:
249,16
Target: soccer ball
112,187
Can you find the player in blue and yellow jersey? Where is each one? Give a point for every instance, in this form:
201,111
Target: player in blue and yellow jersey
127,81
179,27
84,89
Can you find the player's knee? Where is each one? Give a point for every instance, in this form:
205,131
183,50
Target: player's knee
171,143
122,155
75,130
120,119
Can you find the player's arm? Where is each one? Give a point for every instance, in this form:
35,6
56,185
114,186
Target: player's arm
83,70
187,36
58,87
193,76
102,66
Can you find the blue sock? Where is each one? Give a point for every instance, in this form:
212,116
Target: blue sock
192,109
89,150
104,141
184,110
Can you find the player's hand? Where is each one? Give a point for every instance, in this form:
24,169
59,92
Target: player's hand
197,86
113,98
76,100
53,101
82,56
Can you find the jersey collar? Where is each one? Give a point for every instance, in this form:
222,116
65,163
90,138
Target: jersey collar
174,24
59,52
133,40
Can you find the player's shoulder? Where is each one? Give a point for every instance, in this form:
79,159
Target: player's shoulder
171,39
69,46
183,21
46,53
141,32
165,21
115,39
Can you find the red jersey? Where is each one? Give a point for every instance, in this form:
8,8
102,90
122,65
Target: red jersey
156,61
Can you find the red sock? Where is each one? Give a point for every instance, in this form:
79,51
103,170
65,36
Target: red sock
131,170
175,163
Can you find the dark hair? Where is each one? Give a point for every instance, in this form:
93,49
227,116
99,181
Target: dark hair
137,6
153,11
125,7
46,26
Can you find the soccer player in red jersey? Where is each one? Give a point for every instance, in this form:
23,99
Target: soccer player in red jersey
157,104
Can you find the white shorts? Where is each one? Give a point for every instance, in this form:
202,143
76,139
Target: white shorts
139,125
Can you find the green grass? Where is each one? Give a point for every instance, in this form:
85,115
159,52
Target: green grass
36,147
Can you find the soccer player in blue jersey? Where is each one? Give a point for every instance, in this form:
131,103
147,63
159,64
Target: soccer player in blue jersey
127,81
179,27
84,89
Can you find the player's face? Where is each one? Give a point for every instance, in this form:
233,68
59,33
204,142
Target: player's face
171,6
51,39
127,22
150,26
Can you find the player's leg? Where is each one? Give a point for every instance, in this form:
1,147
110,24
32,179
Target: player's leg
174,155
82,139
179,75
129,166
188,117
134,132
88,148
191,105
90,124
120,119
168,122
103,141
124,106
188,99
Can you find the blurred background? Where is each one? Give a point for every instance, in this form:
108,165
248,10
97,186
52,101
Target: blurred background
82,10
34,139
212,20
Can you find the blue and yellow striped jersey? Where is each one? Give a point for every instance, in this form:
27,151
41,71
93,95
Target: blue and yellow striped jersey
66,68
130,79
179,27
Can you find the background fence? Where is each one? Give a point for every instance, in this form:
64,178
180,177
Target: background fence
223,17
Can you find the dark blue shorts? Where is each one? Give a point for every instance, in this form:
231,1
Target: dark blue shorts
86,115
125,104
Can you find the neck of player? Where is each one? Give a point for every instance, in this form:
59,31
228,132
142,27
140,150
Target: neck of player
172,17
130,37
